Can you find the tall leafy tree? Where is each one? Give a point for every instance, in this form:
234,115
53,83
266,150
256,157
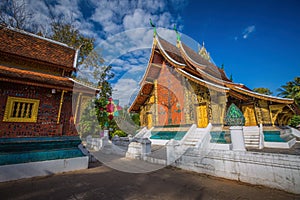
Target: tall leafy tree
68,34
291,90
91,62
262,90
14,13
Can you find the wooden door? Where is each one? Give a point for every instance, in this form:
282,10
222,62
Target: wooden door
202,118
249,115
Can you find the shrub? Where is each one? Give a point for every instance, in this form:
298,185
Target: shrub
119,133
295,121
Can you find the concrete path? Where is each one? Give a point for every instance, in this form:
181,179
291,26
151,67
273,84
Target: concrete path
121,163
104,183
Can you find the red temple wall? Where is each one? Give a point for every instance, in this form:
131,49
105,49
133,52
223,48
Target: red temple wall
47,113
170,89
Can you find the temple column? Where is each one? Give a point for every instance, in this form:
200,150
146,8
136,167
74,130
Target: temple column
155,103
258,113
186,104
77,106
149,120
60,106
142,116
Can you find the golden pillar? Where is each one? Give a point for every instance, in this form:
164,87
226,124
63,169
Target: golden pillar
155,103
149,120
60,106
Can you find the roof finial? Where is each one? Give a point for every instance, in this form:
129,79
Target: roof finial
177,34
154,27
203,52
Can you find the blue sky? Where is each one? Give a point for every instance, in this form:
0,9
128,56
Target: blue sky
257,41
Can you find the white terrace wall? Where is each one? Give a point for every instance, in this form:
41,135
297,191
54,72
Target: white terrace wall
273,170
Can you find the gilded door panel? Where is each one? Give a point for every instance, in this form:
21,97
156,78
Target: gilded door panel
249,115
202,119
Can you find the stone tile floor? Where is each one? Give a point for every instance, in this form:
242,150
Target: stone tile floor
101,182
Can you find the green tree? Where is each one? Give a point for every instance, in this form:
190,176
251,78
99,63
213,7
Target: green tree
89,124
262,90
68,34
295,121
291,90
89,59
136,118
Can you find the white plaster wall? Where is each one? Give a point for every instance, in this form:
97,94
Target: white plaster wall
273,170
43,168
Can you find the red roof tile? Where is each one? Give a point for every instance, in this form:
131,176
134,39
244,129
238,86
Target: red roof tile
31,46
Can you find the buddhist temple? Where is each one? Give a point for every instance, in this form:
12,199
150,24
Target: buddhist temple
183,87
37,119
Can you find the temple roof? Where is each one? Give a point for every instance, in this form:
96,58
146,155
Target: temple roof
195,68
17,42
20,76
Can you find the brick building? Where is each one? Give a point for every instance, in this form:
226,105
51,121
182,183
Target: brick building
36,95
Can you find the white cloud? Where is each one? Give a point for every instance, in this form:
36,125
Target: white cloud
247,31
124,89
122,15
106,20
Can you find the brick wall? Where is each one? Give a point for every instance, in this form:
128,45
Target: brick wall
47,114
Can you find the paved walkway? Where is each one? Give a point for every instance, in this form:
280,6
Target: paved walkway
104,183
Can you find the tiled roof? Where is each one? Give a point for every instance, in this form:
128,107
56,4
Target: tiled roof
34,47
21,76
14,74
171,50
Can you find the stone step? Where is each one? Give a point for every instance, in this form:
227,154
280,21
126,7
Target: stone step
250,139
252,145
192,139
254,134
190,143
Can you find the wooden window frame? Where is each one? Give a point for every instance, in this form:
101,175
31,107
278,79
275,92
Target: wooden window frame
9,110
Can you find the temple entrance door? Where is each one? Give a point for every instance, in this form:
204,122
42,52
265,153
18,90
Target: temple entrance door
149,120
249,115
202,118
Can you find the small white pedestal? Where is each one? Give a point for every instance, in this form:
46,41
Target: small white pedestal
237,138
172,146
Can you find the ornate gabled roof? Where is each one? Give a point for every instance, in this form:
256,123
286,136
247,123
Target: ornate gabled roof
196,68
171,52
36,48
262,96
141,97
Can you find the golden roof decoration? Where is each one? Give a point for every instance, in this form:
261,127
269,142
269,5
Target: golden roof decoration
203,52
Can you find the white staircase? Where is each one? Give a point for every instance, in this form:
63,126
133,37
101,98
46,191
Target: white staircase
193,138
251,136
